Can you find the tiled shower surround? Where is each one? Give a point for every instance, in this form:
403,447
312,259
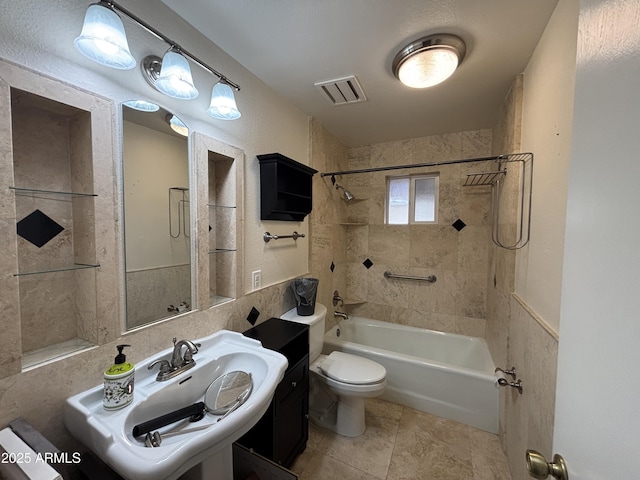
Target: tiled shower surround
458,257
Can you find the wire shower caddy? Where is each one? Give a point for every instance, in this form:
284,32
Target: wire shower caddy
495,179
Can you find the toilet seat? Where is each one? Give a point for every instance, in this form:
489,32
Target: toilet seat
351,369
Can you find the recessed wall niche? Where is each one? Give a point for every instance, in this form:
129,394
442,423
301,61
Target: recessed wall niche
59,291
220,168
55,225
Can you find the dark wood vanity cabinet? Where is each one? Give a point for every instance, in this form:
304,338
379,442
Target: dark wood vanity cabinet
282,433
285,188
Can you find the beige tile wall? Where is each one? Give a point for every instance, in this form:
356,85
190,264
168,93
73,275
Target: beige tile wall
328,239
456,302
516,335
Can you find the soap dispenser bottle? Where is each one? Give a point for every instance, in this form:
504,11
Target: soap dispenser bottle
118,382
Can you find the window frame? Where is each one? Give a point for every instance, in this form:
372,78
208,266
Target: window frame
412,199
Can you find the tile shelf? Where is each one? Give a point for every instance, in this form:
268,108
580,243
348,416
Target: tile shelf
353,301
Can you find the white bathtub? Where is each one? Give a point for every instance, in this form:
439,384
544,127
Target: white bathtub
447,375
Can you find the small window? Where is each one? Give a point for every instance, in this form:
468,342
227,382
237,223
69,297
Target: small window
412,199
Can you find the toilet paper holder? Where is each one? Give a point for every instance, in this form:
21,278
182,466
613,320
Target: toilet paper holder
503,382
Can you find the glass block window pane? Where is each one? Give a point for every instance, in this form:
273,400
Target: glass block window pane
398,201
425,199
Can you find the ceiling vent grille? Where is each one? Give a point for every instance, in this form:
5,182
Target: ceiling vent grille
342,91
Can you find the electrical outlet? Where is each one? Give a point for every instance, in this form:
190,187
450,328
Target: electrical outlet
256,279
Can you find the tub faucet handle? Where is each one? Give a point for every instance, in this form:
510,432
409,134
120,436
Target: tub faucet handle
337,299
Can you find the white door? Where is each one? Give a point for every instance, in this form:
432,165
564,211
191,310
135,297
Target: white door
597,419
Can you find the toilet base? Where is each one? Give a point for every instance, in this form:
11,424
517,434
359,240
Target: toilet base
350,417
347,421
341,414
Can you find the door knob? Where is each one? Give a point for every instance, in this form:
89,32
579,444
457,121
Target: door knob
539,468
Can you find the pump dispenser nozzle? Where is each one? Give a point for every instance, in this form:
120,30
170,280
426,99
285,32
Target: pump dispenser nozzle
121,357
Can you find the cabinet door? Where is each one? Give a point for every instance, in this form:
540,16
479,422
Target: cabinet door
292,425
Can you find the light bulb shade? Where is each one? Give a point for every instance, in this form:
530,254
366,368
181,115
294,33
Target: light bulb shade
175,77
142,105
223,103
103,39
178,125
429,61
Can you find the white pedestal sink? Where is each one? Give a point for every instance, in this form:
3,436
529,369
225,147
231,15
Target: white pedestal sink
204,454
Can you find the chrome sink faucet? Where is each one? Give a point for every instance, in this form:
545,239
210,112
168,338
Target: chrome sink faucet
341,315
179,362
177,359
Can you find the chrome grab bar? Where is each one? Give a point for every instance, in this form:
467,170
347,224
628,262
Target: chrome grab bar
430,278
267,236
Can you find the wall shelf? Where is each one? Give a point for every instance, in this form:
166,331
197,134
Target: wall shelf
353,301
76,266
25,191
285,188
220,206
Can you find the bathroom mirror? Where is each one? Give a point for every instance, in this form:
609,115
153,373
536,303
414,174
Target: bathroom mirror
157,215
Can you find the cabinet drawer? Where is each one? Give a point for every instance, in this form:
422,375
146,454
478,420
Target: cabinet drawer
297,377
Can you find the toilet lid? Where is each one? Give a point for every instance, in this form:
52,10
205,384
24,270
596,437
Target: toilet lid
348,368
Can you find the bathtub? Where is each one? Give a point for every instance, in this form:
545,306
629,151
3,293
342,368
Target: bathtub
447,375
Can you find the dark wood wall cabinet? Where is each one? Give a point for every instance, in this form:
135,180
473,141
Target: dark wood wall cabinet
282,433
285,188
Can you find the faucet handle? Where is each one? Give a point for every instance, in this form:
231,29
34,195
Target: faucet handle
165,366
337,299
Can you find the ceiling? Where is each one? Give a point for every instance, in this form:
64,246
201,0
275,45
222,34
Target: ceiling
293,44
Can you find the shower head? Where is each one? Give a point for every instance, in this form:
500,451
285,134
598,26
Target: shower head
346,194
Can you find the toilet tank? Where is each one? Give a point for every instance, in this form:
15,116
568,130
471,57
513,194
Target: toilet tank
316,324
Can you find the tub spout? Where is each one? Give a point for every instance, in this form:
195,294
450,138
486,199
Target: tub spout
341,315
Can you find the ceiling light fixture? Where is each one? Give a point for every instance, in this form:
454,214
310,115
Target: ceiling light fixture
103,40
429,60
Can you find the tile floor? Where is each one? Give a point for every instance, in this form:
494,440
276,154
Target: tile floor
402,443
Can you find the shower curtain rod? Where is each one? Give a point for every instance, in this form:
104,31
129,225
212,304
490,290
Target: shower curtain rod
500,158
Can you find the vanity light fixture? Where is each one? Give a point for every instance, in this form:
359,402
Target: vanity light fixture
103,40
177,125
429,60
223,103
142,105
175,78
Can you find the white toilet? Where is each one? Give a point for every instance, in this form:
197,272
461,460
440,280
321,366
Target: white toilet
339,382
